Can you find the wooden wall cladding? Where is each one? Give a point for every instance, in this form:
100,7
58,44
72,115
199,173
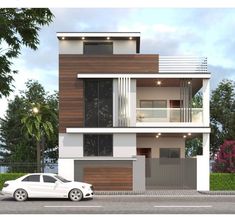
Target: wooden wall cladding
122,63
71,89
109,178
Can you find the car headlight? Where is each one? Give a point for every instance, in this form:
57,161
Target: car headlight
5,185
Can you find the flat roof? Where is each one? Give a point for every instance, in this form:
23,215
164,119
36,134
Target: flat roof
101,36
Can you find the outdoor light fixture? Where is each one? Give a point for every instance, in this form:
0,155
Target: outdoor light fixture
35,110
63,38
108,38
159,83
184,136
157,136
189,82
189,134
130,38
83,38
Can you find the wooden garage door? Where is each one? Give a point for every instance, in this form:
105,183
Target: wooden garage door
109,178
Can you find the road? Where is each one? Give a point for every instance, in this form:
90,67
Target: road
132,204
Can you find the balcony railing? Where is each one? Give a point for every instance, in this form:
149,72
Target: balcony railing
182,64
167,115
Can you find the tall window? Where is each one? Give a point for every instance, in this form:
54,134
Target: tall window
98,145
98,48
98,102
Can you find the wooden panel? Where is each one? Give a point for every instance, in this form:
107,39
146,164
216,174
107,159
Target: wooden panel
142,63
109,178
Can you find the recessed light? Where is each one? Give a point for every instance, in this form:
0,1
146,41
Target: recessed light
130,38
63,38
108,38
189,134
159,134
159,82
83,38
184,136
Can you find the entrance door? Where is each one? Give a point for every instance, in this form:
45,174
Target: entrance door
175,111
147,153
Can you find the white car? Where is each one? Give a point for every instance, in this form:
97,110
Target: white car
46,185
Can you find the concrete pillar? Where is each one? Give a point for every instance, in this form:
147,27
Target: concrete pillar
66,168
206,101
139,174
203,165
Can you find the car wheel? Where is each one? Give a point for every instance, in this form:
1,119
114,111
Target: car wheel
20,195
75,194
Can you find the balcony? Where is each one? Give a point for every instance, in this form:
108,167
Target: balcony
169,116
182,64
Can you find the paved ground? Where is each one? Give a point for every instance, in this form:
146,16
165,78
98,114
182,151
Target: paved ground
123,204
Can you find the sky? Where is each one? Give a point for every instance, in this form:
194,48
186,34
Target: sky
199,32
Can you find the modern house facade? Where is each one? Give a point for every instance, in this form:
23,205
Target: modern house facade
124,117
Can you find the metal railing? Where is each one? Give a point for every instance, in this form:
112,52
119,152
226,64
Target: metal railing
182,64
166,115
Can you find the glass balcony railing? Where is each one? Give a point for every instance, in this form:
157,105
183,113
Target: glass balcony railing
194,115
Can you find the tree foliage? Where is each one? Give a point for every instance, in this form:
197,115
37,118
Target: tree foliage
225,158
222,114
18,27
16,144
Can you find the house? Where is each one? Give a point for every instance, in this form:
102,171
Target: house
124,117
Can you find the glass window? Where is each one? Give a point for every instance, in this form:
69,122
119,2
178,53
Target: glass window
98,48
159,108
49,179
169,152
32,178
98,102
98,145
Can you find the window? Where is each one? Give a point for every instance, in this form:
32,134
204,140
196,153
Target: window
169,155
159,108
98,145
49,179
32,178
98,48
98,102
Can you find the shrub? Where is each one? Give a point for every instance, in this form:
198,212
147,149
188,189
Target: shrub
222,181
225,159
9,176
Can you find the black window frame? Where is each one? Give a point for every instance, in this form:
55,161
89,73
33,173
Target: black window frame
27,177
49,177
94,43
98,141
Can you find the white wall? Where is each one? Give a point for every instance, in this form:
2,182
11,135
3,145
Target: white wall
70,145
157,93
66,168
124,145
162,142
76,46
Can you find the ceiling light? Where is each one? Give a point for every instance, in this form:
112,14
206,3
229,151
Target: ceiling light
108,38
184,136
63,38
159,82
157,136
130,38
83,38
189,134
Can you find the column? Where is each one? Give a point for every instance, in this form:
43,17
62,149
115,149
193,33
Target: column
66,168
206,101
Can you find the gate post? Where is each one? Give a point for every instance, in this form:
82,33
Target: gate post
139,173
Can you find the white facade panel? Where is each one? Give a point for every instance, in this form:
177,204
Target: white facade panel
66,168
124,145
162,142
124,47
70,145
70,47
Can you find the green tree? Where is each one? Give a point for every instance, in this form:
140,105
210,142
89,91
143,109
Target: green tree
18,27
193,146
17,144
222,114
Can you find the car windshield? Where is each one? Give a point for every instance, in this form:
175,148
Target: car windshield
62,179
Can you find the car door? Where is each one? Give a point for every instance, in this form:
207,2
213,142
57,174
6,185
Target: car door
52,186
32,185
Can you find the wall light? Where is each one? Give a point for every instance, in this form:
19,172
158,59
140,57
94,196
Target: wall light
157,136
189,134
159,83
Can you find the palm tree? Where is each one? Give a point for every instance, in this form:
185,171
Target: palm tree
38,124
